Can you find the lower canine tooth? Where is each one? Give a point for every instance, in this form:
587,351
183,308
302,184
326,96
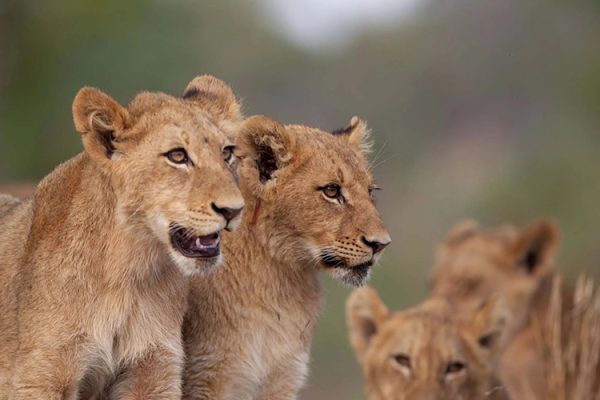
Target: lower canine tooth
198,243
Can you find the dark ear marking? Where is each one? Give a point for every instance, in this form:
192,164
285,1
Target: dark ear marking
107,139
537,246
191,92
266,144
106,133
368,327
531,259
213,96
267,163
347,129
342,131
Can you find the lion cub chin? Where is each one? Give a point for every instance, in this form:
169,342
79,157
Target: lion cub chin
309,208
428,351
94,268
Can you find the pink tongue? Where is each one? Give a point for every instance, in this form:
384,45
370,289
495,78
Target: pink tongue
206,241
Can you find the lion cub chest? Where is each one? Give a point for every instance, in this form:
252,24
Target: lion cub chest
125,326
272,344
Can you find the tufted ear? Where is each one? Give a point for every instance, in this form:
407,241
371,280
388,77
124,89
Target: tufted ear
265,147
357,134
364,314
101,122
535,248
214,97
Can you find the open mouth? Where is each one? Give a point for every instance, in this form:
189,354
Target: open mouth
190,245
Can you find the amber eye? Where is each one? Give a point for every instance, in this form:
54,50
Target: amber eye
402,360
177,156
455,367
332,191
228,153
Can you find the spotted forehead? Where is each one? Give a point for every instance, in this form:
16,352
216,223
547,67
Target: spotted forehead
154,109
190,125
334,155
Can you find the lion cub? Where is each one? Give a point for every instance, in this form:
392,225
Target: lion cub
426,352
309,203
474,264
94,269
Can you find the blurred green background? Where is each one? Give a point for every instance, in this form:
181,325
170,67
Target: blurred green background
486,109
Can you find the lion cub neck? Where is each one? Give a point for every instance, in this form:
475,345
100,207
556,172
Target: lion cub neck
251,322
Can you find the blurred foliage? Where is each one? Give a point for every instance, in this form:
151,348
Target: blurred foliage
487,110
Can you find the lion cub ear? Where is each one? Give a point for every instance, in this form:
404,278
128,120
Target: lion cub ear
461,231
364,314
265,148
357,134
101,121
536,246
213,96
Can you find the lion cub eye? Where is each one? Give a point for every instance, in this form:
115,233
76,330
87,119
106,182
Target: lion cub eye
455,367
177,156
228,153
333,191
402,360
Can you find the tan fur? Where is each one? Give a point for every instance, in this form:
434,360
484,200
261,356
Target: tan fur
518,265
249,327
425,352
7,203
92,291
570,338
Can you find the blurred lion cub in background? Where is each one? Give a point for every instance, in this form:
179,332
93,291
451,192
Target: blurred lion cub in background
426,352
474,264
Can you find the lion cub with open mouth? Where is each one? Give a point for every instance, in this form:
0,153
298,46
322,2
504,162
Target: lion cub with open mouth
94,269
309,207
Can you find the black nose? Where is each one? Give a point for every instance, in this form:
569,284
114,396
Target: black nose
375,244
226,212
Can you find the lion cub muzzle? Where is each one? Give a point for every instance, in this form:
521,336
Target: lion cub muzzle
192,245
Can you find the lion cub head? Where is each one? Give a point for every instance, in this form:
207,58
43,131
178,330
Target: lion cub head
169,163
426,352
312,192
474,264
